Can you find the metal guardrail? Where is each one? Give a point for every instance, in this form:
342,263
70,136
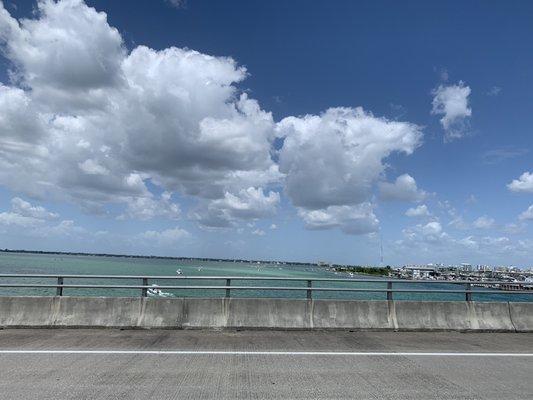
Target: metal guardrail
468,290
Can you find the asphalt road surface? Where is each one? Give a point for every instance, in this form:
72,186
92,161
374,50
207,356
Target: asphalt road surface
166,364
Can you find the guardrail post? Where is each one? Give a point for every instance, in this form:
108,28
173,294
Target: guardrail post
144,289
309,291
468,292
228,283
59,289
389,290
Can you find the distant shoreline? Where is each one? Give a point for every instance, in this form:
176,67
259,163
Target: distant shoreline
336,267
70,253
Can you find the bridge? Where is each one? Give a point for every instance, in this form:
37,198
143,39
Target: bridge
226,347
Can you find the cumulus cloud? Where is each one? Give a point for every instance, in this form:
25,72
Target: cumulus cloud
13,219
334,158
259,232
65,229
86,120
422,234
165,237
514,228
332,161
494,245
26,209
356,220
419,211
458,222
527,214
483,222
50,54
431,241
523,184
36,221
145,208
403,189
451,101
247,204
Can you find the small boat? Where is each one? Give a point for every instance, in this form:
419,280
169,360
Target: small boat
179,272
154,291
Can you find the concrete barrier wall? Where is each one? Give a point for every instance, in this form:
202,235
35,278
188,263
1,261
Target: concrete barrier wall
522,316
183,313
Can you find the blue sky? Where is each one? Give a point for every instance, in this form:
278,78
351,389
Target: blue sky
274,130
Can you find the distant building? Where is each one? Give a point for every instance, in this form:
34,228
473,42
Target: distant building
466,267
420,272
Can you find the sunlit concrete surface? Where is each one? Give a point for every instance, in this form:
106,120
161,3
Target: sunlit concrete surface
170,364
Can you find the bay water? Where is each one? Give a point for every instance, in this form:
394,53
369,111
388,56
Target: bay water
58,264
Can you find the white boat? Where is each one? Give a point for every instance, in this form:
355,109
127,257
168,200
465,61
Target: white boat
155,292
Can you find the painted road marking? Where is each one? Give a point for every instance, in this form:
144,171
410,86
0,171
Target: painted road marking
263,353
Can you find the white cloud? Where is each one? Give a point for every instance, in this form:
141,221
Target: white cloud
423,234
523,184
431,243
432,228
87,121
17,220
66,228
92,167
273,226
514,228
527,215
485,243
26,209
35,221
23,214
483,222
145,208
458,223
468,242
403,189
258,232
332,161
356,220
419,211
166,237
452,102
51,54
334,158
247,204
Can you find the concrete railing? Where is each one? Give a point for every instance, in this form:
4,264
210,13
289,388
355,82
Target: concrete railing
220,313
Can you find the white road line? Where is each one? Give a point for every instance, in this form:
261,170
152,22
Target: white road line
263,353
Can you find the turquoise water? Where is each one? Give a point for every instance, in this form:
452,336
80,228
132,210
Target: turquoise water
95,265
